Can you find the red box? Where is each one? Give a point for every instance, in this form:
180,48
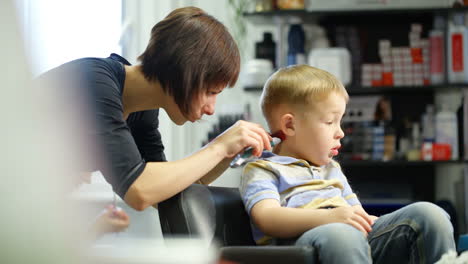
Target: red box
441,151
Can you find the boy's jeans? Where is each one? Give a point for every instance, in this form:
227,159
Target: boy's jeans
417,233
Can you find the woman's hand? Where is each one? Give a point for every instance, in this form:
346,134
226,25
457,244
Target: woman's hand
355,216
241,135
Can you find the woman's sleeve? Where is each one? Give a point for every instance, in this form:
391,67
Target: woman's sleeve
144,128
123,162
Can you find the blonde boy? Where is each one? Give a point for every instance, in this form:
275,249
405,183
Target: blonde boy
298,195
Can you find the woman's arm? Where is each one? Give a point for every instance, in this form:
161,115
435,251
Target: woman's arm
161,180
283,222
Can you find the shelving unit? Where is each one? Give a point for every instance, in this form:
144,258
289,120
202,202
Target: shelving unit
415,177
266,17
400,18
358,90
397,163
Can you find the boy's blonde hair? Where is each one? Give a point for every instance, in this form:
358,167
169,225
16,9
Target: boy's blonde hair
296,86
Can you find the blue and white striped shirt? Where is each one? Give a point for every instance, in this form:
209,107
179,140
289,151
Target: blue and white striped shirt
294,183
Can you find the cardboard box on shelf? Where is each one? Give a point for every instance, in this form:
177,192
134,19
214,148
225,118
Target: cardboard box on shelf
318,5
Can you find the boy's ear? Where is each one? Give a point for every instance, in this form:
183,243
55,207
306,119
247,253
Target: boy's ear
288,124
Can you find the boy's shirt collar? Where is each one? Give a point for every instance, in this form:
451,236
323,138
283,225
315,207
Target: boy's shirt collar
286,160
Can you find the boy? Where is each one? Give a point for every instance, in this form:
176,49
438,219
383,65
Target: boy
298,194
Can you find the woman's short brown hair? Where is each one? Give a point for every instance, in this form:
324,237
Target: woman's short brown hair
188,53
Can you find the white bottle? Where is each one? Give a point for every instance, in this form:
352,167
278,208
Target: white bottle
428,123
446,130
457,50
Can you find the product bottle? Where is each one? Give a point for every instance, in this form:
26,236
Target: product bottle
296,38
378,141
389,143
457,50
437,51
415,152
266,49
446,130
428,133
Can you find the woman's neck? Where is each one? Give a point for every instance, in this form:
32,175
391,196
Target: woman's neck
139,94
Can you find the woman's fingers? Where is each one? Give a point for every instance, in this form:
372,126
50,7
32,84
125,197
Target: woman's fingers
258,143
242,135
262,137
265,137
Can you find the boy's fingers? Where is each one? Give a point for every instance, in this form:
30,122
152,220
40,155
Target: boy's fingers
365,216
362,221
358,227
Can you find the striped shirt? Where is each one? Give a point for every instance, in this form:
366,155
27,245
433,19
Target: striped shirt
293,183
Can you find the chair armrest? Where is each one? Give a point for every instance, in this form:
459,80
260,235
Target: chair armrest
269,254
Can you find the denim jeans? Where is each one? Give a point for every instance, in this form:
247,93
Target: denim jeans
417,233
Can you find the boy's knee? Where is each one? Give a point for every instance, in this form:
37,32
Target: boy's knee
336,234
346,233
430,214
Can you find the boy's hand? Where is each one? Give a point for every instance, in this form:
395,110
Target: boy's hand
355,216
374,218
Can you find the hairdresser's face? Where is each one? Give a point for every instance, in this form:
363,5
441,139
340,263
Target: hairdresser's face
319,131
204,104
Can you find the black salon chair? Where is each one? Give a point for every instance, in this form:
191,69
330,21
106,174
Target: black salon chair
217,215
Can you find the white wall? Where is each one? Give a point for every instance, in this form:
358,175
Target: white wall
69,30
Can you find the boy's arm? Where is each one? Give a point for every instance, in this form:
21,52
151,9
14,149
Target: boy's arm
283,222
352,198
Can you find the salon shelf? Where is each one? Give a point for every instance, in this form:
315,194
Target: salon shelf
355,90
350,12
358,90
393,163
408,102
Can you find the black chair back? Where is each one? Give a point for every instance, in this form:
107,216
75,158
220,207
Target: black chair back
215,214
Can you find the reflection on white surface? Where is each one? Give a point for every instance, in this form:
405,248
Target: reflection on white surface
230,178
153,251
92,199
35,159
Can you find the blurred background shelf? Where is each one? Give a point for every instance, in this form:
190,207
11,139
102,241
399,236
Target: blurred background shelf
366,163
351,12
359,90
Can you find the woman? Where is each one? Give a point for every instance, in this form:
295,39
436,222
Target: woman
189,60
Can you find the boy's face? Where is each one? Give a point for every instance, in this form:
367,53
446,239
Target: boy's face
318,131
